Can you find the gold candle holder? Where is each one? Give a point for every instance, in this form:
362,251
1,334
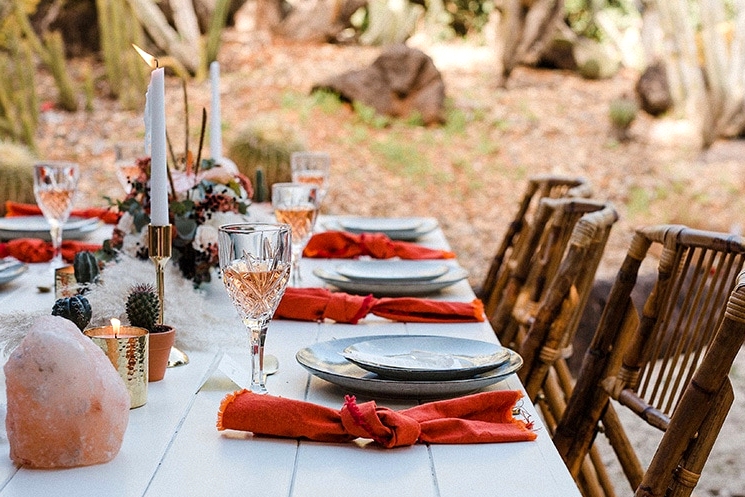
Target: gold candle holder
127,349
65,284
159,248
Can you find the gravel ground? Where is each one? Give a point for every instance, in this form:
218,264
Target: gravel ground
468,174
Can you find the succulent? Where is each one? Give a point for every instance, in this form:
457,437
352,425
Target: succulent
76,308
16,174
143,307
85,266
266,144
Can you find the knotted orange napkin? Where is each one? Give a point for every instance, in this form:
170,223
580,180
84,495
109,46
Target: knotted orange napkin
36,250
14,209
480,418
317,304
343,245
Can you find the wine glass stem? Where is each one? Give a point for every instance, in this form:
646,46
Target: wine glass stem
257,337
55,231
296,280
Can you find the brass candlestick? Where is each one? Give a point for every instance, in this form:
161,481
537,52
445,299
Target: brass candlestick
159,248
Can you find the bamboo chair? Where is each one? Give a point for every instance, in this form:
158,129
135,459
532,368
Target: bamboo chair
538,187
654,364
538,260
546,328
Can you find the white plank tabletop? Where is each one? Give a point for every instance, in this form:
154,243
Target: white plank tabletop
172,446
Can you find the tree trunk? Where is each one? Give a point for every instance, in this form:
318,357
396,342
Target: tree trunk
526,30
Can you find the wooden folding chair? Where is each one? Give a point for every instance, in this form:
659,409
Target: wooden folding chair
542,249
545,186
654,364
546,328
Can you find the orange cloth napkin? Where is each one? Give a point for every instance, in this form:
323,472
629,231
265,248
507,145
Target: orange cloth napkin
36,250
317,304
13,209
343,245
480,418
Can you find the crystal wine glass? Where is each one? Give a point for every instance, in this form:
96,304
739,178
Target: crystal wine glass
297,205
255,259
126,157
312,168
55,184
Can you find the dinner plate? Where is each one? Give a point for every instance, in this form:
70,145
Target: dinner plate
426,225
325,360
392,271
38,227
392,288
424,357
10,270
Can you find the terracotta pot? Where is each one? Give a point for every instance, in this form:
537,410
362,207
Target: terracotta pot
159,350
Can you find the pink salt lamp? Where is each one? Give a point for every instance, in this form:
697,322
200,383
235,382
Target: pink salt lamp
67,405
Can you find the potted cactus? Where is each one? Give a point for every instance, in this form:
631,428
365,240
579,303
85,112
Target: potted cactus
143,309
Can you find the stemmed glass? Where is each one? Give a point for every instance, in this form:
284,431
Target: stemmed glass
297,205
312,168
255,259
55,184
126,156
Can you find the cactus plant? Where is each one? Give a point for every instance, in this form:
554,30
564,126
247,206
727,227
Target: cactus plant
76,308
143,307
86,268
16,174
267,145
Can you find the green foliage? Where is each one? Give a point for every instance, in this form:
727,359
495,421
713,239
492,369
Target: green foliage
76,309
19,115
143,306
370,116
216,27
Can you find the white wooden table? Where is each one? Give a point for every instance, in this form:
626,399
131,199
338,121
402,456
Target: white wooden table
172,447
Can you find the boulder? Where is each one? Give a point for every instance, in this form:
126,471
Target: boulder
400,82
67,405
653,90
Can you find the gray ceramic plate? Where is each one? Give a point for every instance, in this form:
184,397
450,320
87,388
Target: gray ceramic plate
38,227
325,360
426,357
426,225
392,288
10,270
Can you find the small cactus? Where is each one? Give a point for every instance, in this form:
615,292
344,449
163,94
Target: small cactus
85,266
143,307
16,174
76,308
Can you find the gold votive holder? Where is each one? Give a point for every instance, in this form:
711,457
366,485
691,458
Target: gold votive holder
65,284
127,350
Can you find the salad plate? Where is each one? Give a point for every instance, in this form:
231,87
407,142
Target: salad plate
10,270
392,271
393,228
423,357
325,360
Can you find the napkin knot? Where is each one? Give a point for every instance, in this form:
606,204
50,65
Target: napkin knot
385,426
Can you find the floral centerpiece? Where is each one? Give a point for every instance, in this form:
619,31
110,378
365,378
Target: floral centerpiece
201,199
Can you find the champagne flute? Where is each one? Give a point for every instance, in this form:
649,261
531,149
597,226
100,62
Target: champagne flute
255,259
312,168
55,184
297,205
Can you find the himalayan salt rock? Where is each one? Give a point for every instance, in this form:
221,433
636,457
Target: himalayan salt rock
67,405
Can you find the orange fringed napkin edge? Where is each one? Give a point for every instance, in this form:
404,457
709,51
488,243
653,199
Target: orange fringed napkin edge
343,245
317,304
15,209
485,417
37,250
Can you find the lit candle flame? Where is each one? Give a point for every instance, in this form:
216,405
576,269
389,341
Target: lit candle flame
151,61
116,324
